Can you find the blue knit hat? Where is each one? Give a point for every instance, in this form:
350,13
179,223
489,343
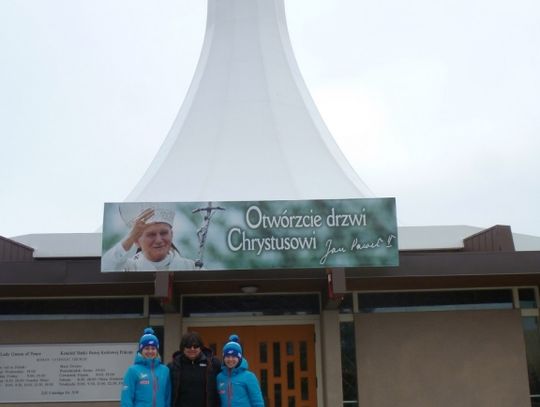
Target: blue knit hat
233,348
148,339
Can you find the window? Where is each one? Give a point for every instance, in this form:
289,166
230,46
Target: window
348,364
296,304
66,307
527,298
435,300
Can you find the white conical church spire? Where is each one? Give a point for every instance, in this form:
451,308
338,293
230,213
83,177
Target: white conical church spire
248,128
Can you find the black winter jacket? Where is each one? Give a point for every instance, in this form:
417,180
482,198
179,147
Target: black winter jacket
193,382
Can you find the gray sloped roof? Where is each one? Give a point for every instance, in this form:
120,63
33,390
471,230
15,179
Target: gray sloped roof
410,238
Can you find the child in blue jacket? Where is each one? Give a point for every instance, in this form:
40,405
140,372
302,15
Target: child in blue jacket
237,386
147,382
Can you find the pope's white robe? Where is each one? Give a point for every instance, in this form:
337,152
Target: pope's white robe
118,259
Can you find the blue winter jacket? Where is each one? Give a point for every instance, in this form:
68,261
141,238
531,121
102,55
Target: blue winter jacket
239,387
146,384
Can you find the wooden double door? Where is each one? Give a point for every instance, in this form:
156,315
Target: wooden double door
282,357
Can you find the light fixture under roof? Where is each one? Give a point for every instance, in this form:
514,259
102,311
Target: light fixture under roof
249,289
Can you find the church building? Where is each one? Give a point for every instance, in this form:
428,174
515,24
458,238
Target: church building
456,323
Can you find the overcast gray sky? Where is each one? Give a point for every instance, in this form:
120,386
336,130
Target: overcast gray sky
433,102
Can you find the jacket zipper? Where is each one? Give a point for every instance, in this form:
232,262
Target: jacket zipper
229,388
154,384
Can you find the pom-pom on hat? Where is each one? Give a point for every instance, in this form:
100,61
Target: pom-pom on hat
233,348
148,339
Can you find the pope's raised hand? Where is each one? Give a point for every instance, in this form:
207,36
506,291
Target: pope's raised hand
139,224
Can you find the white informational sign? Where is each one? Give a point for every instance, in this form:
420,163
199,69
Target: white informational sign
63,372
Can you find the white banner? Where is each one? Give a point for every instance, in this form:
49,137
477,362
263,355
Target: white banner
63,372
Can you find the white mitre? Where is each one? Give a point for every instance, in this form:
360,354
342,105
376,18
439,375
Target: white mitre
163,213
